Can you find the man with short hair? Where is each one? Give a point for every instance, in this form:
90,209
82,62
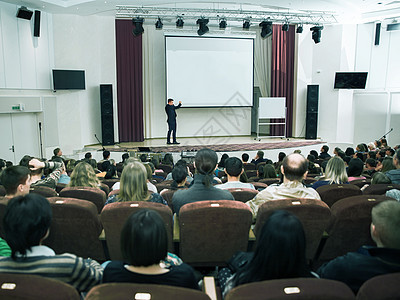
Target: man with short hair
245,158
355,268
57,155
324,152
16,181
182,163
37,170
259,158
170,110
233,170
26,225
294,169
394,175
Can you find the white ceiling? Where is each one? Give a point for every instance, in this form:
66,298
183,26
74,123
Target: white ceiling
348,11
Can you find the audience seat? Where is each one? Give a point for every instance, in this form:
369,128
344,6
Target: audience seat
110,182
251,173
2,191
382,287
313,214
95,195
166,168
259,185
293,288
60,186
162,174
269,181
114,216
349,227
249,166
44,191
334,192
110,291
212,231
167,195
380,189
254,179
75,228
163,185
113,192
32,287
156,180
361,182
105,188
243,194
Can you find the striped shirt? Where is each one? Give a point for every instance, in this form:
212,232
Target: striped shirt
81,273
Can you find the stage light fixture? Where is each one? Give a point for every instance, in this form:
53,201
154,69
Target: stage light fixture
24,13
246,24
316,33
179,22
285,27
138,23
299,29
159,24
222,23
203,28
266,28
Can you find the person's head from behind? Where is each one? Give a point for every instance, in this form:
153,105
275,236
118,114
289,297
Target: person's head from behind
315,153
25,163
349,151
168,159
106,154
26,223
325,149
380,178
221,163
371,154
280,250
390,152
149,171
245,157
181,163
170,101
356,167
269,171
205,163
260,154
125,156
359,155
335,170
396,159
385,225
16,180
88,155
370,163
179,174
311,158
294,167
233,167
84,175
387,164
133,183
144,240
143,157
57,152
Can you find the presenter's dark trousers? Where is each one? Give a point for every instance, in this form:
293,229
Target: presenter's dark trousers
171,128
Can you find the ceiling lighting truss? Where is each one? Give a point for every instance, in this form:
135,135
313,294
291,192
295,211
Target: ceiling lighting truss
233,16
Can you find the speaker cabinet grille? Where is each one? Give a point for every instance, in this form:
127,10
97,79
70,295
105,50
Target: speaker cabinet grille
107,119
312,111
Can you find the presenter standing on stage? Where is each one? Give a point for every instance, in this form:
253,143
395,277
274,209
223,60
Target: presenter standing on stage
171,120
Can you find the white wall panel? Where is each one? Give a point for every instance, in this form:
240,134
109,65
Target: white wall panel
393,74
27,53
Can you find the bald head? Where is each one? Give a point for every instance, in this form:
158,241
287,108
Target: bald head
294,166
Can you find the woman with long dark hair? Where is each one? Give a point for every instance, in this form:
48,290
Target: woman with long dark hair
280,253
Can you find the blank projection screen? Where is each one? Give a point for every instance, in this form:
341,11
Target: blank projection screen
209,72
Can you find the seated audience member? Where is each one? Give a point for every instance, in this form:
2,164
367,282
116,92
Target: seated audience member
245,158
269,171
57,155
182,163
16,181
280,253
390,152
221,164
370,167
313,168
106,157
294,170
298,151
335,173
380,154
64,178
281,156
144,244
378,178
168,159
83,175
349,151
260,171
384,143
394,175
26,225
355,268
110,167
359,155
233,169
394,193
149,175
37,169
361,148
356,167
71,165
179,175
371,146
133,186
153,169
125,156
259,158
378,144
371,154
143,158
201,189
315,153
387,164
324,152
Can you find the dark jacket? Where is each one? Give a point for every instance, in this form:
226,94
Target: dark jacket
171,113
198,192
394,176
355,268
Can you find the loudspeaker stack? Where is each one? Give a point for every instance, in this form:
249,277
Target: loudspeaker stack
312,111
107,120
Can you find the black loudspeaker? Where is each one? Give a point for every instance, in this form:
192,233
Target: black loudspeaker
312,111
36,25
24,13
377,33
107,120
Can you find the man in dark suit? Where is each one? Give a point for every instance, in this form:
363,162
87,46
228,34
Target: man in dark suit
171,120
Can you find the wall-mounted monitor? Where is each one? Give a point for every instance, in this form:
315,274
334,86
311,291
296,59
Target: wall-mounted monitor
68,80
350,80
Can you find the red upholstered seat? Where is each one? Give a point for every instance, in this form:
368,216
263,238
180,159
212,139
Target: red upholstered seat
44,191
243,194
380,189
383,287
334,192
95,195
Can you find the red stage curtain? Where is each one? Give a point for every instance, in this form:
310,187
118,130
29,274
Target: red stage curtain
129,83
282,74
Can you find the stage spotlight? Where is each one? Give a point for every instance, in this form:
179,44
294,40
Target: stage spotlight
138,23
159,24
203,28
222,23
316,33
246,24
266,29
285,27
179,22
299,29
